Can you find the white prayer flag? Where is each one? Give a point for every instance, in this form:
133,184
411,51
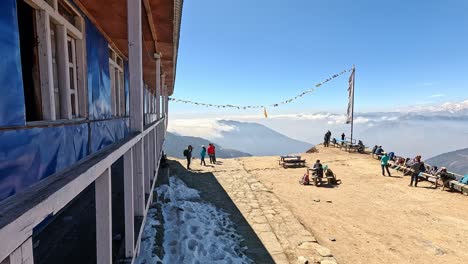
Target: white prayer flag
349,118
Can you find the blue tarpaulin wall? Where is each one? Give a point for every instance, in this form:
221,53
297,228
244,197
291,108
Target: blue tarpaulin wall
104,133
12,111
29,155
99,93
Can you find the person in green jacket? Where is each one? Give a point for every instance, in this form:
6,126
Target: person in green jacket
202,156
384,162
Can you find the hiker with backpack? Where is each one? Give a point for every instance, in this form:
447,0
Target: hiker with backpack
202,156
188,155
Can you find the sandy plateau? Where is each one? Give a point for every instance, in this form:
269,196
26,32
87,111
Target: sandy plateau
368,218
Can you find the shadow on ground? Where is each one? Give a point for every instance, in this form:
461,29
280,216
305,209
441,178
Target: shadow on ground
212,192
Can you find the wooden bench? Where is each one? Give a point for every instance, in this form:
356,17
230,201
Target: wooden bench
429,178
314,177
292,161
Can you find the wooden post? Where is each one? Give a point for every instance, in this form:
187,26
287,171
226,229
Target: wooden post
163,81
152,154
22,255
81,73
63,72
103,194
147,166
45,64
156,152
136,98
138,183
158,85
135,65
128,205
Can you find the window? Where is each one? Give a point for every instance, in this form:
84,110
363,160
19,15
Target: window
116,73
51,47
29,61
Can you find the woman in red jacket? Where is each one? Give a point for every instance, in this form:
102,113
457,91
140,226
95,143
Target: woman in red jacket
210,151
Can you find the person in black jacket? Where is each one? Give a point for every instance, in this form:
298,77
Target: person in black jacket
188,155
416,168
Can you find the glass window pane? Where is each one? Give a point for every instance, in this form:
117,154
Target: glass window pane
70,51
72,78
67,13
73,104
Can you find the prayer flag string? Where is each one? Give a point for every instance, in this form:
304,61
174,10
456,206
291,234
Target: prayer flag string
245,107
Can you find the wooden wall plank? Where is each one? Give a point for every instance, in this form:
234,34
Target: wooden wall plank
103,194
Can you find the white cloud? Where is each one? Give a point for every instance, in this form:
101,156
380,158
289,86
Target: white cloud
206,128
437,95
452,107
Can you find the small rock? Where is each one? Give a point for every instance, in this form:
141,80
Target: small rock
332,239
329,201
302,260
323,251
317,200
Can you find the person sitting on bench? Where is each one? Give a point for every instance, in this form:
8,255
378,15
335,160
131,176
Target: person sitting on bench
318,170
374,149
361,147
379,152
434,170
444,177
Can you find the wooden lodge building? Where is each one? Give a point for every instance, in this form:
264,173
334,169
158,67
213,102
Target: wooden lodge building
84,88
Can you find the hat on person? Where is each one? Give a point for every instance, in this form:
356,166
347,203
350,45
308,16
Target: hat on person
202,146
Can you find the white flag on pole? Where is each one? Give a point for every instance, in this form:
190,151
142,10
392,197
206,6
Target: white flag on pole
351,98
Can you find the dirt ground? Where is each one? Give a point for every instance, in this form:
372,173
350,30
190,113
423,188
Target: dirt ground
373,219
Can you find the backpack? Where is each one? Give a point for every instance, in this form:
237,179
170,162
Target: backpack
186,153
305,179
464,180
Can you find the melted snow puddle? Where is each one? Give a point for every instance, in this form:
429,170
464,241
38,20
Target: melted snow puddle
194,231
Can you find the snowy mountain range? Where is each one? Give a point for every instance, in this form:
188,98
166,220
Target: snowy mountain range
174,146
427,131
245,137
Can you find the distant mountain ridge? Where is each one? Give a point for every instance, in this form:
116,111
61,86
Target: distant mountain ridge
174,146
258,139
455,161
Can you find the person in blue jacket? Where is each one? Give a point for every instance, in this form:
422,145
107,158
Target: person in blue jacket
384,163
202,156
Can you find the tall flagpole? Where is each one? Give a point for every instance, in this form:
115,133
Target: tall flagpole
352,106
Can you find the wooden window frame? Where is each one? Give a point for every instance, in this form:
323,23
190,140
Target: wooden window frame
118,99
65,31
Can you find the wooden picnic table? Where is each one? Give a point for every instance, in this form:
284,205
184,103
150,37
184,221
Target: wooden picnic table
291,161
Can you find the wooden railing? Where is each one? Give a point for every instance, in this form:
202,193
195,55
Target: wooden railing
141,153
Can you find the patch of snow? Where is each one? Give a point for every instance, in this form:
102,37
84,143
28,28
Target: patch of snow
148,239
194,231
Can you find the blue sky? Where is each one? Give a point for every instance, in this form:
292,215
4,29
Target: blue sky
264,51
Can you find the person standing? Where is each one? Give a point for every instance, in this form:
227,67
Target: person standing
384,163
343,137
188,155
214,153
415,170
202,156
327,139
210,153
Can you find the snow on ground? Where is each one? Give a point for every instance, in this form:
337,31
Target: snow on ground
194,231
